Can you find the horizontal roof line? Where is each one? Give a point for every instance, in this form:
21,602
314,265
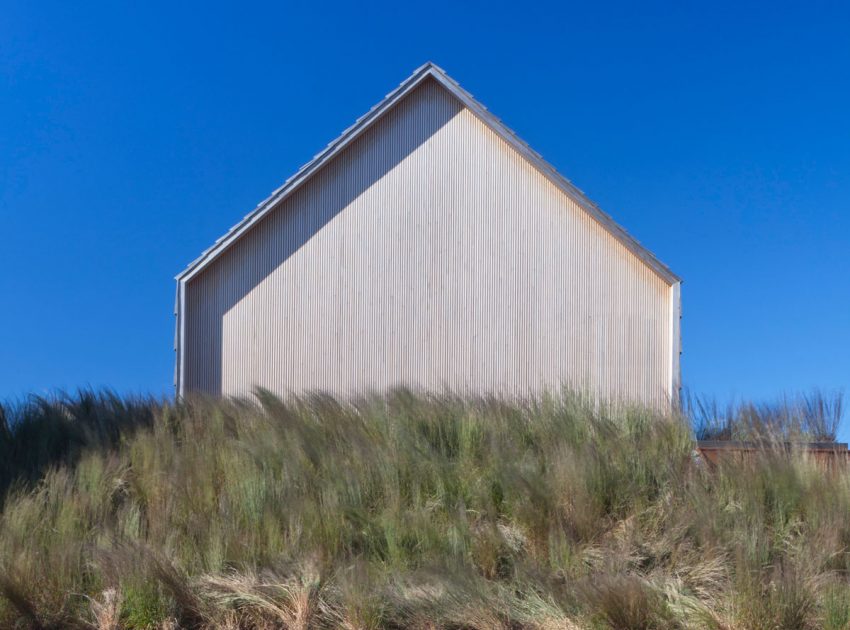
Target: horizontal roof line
756,445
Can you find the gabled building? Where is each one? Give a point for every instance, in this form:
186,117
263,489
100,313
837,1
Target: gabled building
429,246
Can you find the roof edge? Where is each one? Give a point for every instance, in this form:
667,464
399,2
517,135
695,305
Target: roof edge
426,70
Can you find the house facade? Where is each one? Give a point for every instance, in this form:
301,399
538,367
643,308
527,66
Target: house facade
429,247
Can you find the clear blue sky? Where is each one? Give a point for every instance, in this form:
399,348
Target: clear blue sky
718,134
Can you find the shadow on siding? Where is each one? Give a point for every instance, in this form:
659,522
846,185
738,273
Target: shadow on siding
298,219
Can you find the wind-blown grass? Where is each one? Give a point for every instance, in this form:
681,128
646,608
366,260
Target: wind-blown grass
40,433
409,511
811,417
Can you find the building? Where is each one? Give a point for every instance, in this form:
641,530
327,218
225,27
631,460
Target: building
428,246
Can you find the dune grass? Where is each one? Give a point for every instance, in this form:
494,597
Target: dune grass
813,417
406,511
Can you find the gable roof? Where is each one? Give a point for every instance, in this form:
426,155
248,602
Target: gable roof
367,120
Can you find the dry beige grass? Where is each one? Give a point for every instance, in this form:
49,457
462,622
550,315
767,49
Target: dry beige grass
409,511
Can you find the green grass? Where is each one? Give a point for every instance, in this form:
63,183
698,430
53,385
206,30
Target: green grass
405,511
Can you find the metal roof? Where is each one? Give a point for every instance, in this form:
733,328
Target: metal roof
429,70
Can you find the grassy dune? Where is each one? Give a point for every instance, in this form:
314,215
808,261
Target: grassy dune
405,511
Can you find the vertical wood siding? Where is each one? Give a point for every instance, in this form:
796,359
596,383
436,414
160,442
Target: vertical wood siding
430,253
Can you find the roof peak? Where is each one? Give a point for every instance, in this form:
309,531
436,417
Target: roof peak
430,69
429,65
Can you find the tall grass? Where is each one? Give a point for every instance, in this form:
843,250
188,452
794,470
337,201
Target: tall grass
813,417
411,511
40,433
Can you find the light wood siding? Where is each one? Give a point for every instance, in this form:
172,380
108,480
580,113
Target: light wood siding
430,253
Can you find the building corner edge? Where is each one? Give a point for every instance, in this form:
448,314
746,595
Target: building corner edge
180,340
676,344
